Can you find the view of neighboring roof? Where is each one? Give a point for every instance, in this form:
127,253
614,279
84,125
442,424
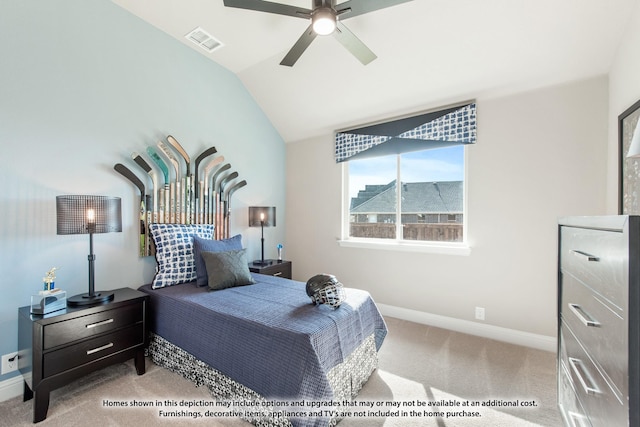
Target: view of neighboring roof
417,197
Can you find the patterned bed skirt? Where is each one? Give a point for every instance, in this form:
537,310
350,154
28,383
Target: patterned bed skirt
346,379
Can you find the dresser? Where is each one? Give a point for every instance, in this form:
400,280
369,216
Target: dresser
57,348
599,321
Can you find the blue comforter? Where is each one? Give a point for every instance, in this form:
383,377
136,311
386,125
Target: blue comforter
267,336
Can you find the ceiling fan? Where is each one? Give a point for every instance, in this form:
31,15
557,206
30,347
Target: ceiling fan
326,17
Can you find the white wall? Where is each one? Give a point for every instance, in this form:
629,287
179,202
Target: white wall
539,156
83,84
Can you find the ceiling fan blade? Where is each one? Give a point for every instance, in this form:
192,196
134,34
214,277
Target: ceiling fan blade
360,7
298,49
353,44
270,7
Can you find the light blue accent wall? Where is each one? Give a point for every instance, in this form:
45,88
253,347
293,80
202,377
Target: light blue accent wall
83,84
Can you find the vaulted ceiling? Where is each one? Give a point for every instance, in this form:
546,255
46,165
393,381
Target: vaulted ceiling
430,53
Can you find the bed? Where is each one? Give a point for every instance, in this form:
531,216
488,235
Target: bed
267,342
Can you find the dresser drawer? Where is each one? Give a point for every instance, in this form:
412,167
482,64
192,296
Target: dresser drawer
598,259
599,327
570,407
65,332
92,349
597,398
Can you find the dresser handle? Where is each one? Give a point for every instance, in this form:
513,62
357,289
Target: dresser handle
279,273
578,420
578,367
93,325
584,317
585,255
104,347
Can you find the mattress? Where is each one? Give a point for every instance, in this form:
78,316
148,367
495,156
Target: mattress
268,336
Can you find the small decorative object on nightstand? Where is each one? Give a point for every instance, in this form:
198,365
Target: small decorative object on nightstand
274,268
49,299
46,302
57,348
49,279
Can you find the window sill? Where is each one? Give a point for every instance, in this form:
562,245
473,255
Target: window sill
442,248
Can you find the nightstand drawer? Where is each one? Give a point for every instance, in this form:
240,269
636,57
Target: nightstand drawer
61,333
92,349
275,268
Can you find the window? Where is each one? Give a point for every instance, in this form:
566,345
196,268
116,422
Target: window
405,178
429,200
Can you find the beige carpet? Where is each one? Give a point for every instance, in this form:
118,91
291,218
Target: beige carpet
418,365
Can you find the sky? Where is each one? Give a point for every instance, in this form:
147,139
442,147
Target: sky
441,164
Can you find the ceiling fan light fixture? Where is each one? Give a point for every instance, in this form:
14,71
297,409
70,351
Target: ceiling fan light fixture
324,21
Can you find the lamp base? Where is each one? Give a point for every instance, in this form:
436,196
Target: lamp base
263,262
86,299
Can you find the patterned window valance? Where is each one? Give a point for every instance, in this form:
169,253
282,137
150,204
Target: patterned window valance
452,126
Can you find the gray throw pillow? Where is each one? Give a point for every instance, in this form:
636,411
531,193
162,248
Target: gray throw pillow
227,269
208,245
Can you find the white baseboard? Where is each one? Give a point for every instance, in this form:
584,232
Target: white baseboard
11,388
527,339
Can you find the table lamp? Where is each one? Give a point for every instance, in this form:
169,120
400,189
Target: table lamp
88,215
262,216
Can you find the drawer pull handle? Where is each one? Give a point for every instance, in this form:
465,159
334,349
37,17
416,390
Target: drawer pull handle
585,255
279,273
104,322
578,420
581,372
104,347
584,317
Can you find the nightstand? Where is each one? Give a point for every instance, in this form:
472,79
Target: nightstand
59,347
276,268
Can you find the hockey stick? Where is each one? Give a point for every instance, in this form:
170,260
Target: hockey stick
223,184
165,195
205,193
176,188
206,153
214,196
126,172
154,179
187,208
227,211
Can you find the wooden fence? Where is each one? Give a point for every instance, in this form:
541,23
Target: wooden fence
438,232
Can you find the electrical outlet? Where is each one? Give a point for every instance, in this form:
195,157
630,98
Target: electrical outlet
479,313
9,363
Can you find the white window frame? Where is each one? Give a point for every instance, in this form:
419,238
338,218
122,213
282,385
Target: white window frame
447,248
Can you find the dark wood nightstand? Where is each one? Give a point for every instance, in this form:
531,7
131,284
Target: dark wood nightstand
59,347
276,268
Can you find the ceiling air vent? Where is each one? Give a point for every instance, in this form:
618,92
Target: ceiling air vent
204,39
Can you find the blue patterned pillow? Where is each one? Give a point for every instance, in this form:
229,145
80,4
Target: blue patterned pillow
208,245
174,252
